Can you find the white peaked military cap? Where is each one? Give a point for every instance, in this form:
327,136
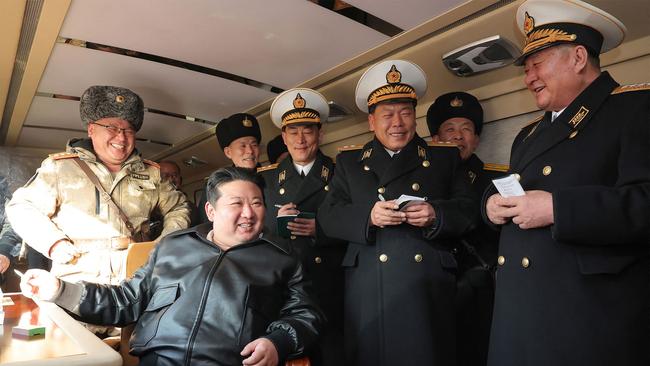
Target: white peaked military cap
547,23
299,106
388,80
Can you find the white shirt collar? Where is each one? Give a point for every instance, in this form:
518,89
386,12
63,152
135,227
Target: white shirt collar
391,152
304,168
555,114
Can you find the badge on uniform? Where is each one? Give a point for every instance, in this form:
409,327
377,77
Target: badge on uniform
366,154
139,176
422,153
324,173
578,117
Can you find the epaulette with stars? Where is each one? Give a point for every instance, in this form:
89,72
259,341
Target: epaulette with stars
268,167
496,167
630,88
152,163
441,144
63,155
350,148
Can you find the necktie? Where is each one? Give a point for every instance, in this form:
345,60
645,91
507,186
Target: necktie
302,174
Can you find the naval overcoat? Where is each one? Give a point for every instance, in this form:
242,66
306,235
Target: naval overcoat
321,256
578,292
476,255
400,280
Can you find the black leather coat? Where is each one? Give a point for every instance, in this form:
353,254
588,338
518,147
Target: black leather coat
196,304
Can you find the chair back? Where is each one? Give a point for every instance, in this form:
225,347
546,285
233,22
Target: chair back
137,255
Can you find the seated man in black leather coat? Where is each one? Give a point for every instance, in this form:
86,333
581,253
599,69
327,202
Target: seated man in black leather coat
218,293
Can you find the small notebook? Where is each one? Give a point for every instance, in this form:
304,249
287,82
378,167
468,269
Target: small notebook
405,200
284,220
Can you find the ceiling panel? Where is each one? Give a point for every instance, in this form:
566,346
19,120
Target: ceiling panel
71,70
64,113
47,138
406,14
51,112
169,129
282,43
148,149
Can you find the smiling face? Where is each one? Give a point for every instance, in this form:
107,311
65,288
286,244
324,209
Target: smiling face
112,148
237,215
302,142
244,152
393,124
553,76
460,131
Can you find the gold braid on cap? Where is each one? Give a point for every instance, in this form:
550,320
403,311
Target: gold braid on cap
393,90
541,37
300,114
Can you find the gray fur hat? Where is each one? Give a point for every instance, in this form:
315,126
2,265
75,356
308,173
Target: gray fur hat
100,101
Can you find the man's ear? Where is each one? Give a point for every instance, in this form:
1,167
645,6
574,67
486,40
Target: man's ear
435,138
580,57
91,128
477,141
371,122
209,211
227,152
321,134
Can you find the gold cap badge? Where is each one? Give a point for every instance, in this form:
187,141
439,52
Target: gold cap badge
119,99
393,76
456,102
299,101
529,23
247,122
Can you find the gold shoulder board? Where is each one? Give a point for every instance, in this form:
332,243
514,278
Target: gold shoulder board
268,167
350,148
442,144
63,155
534,121
632,87
152,163
496,167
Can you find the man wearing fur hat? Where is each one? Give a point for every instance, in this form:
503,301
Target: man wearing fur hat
297,186
572,283
239,137
399,271
83,207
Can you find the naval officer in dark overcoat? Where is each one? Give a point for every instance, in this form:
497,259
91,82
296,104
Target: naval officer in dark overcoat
400,273
457,117
573,283
298,184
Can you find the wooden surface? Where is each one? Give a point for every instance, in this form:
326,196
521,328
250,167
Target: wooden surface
65,342
55,343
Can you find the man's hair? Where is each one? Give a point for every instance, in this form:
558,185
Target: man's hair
593,59
231,174
171,162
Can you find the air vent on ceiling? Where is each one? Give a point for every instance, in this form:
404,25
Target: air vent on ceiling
480,56
338,112
194,162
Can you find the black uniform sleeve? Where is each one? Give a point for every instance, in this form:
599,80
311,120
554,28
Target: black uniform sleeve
300,320
338,215
459,213
116,305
